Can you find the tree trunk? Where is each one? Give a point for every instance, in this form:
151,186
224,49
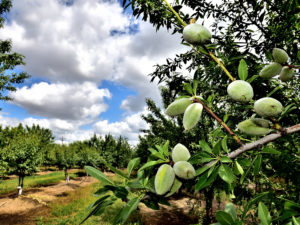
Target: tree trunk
20,186
67,176
209,196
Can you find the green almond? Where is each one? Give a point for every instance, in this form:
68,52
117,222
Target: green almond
180,153
192,115
184,170
268,107
270,70
178,106
279,55
164,179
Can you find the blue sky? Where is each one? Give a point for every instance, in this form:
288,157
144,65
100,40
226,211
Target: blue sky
88,61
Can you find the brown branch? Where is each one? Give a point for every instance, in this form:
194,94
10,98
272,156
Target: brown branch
220,121
260,142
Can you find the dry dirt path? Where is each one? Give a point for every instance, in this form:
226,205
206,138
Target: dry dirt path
23,210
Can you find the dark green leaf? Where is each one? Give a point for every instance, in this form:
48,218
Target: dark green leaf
270,151
224,144
201,170
224,218
226,174
126,211
257,165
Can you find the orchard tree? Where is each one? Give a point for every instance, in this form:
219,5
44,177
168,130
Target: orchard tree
22,155
8,59
246,124
65,159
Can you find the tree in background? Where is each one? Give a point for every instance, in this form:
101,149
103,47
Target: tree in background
8,60
65,158
22,154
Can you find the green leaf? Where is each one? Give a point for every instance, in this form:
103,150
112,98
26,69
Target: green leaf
217,147
226,174
99,208
270,151
102,190
126,211
150,164
253,201
175,187
257,165
239,168
132,165
229,208
201,170
98,175
99,201
298,55
115,170
225,159
264,214
188,88
204,181
156,153
205,146
251,79
243,70
295,222
224,218
195,85
166,148
121,192
136,184
224,144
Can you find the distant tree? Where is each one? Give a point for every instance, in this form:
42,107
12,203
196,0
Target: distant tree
8,59
65,159
87,156
22,155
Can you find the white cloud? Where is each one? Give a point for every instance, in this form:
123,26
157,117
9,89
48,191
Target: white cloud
75,47
63,101
128,127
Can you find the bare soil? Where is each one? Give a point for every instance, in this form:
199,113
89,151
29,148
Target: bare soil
23,210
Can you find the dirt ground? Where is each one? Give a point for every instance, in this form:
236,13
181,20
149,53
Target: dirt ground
23,210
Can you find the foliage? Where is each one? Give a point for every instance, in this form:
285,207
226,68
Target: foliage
8,60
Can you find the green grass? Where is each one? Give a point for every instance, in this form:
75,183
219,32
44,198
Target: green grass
7,186
73,208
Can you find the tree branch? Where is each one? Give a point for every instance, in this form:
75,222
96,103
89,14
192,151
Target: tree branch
220,121
262,141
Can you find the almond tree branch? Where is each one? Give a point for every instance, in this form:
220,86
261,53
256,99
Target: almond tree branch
220,121
262,141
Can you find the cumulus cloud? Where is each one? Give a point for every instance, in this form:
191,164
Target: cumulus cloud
129,127
75,45
63,101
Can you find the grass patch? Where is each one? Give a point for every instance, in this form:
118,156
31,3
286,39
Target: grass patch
73,208
7,186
